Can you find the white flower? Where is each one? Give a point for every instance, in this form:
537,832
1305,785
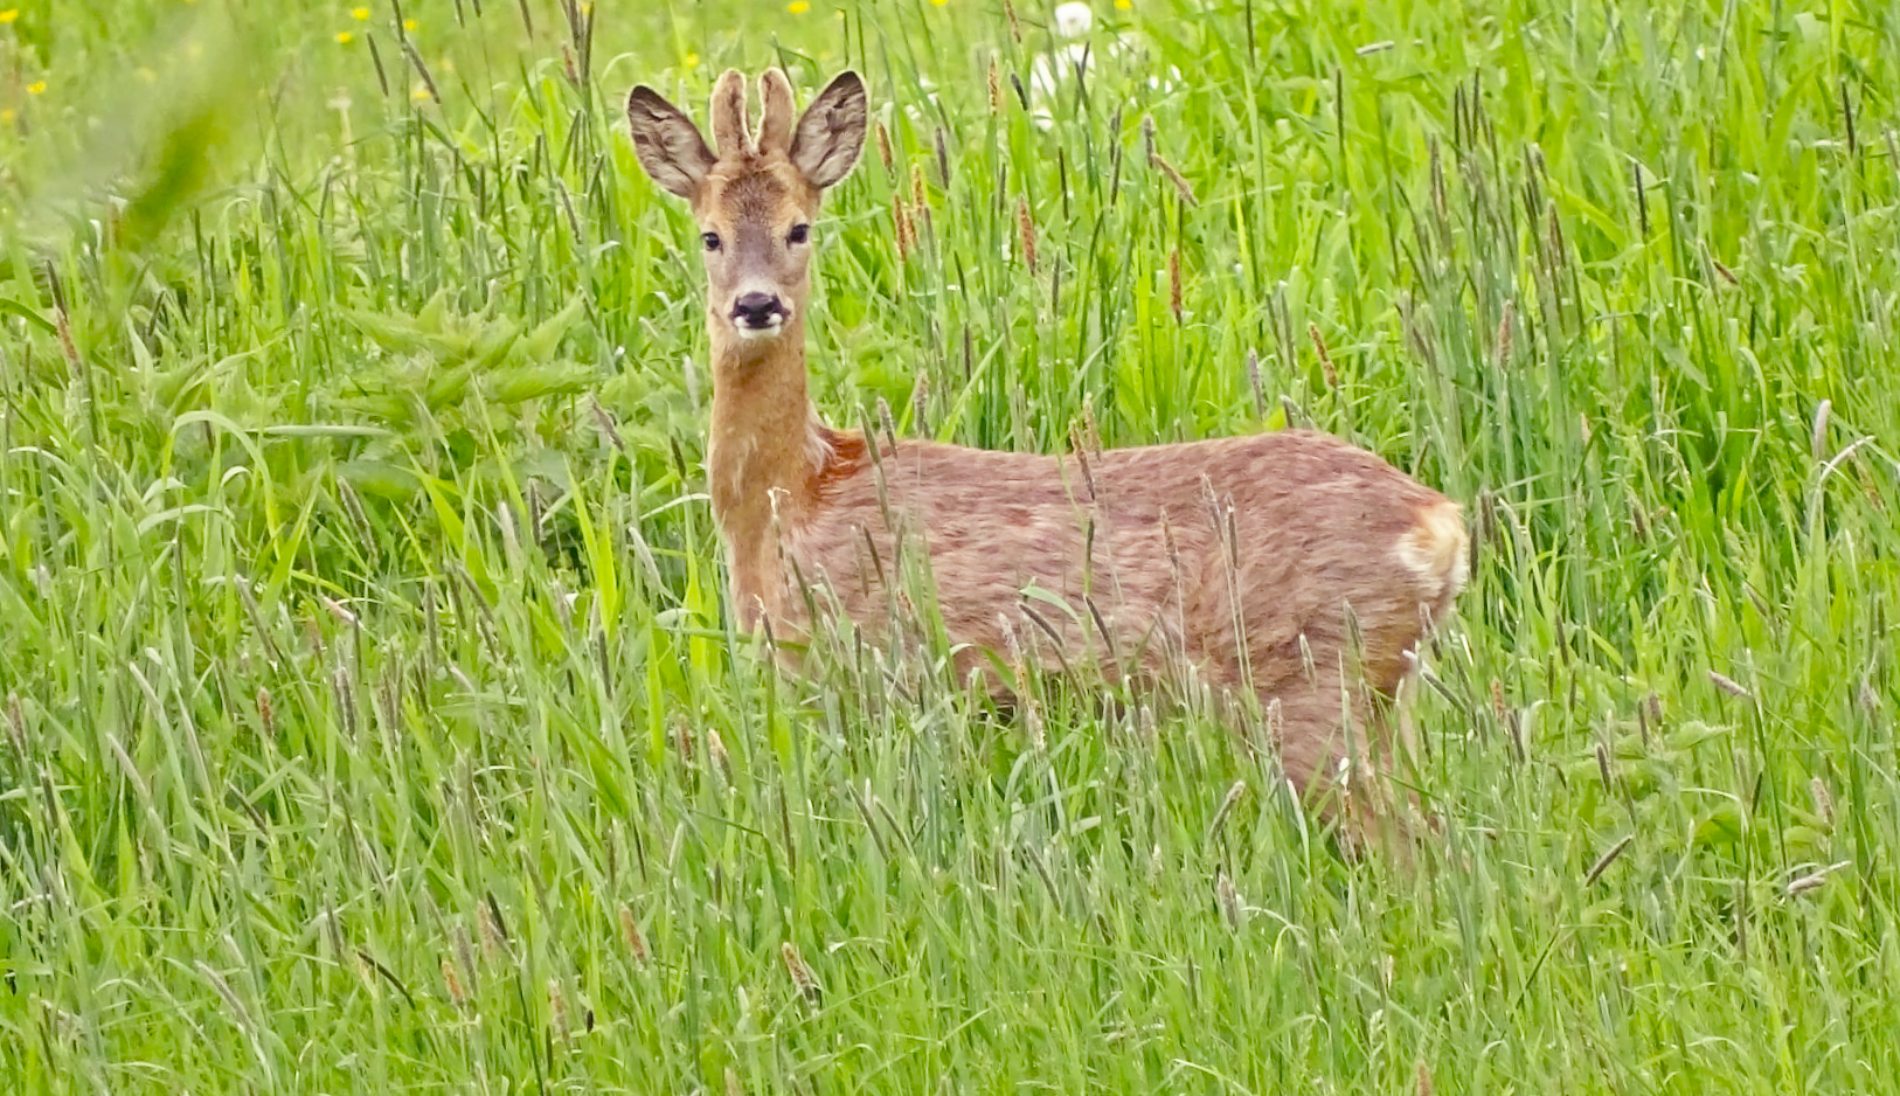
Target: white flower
1074,19
1046,73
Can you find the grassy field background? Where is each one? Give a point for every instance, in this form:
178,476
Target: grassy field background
373,720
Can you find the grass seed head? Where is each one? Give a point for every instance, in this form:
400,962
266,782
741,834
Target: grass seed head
463,953
16,723
1091,434
494,943
557,1009
920,404
1174,176
1228,899
67,348
1325,356
1729,685
900,227
1026,231
1813,880
884,154
800,974
1609,857
716,749
1078,444
453,983
1439,205
630,933
1823,801
886,423
1227,803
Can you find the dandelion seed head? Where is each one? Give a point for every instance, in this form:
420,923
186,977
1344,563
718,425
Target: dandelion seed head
1074,19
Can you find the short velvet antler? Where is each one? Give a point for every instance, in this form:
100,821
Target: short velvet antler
731,133
775,126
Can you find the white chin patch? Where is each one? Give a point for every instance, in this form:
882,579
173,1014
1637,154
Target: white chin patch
769,331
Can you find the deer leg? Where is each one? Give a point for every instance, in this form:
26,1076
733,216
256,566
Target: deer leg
1339,748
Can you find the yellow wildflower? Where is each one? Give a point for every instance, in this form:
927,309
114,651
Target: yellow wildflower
798,7
1124,5
344,37
939,3
409,25
7,116
691,60
420,92
9,16
37,87
361,15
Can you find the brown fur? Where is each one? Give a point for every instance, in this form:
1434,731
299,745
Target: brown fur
1289,565
775,119
730,129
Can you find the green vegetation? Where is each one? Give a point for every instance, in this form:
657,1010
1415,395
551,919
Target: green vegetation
371,719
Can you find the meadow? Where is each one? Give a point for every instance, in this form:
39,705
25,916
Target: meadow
372,718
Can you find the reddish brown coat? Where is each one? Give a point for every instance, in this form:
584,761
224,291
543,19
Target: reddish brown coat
1245,563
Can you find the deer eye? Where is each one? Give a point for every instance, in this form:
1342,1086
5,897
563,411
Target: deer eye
799,234
711,240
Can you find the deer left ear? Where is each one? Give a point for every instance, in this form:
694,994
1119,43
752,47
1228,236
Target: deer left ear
667,143
829,137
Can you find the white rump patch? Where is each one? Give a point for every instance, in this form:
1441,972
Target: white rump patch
1434,551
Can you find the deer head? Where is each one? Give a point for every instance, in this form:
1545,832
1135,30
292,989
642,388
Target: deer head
756,199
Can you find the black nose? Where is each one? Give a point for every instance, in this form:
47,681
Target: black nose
757,309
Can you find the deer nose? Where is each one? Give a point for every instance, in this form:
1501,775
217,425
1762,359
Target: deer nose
758,310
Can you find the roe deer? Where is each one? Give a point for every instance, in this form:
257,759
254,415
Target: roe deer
1288,563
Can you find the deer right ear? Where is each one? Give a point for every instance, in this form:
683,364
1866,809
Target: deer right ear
826,144
667,143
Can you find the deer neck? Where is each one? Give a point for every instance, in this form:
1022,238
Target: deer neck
767,443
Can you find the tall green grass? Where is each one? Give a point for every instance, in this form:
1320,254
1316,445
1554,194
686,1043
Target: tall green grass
372,718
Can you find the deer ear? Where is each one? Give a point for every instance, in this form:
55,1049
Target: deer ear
829,137
667,143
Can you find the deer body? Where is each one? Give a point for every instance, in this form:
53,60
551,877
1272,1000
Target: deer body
1290,564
